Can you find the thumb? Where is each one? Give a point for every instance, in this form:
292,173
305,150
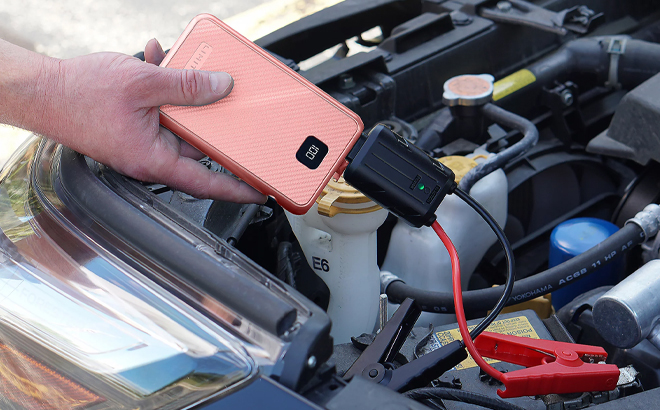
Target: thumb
186,87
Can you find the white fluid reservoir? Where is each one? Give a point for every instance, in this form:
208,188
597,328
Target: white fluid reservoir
338,237
419,258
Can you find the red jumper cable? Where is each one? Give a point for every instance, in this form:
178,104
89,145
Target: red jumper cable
552,367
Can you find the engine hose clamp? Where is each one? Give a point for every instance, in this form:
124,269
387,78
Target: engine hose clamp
386,278
651,250
615,49
647,219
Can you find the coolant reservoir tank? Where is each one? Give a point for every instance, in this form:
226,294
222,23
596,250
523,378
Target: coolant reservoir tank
418,256
338,237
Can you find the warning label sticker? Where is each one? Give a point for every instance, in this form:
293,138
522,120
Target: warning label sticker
515,326
511,84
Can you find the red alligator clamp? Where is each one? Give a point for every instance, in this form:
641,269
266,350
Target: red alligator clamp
552,367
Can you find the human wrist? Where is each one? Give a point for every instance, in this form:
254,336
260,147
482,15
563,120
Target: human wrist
26,86
47,97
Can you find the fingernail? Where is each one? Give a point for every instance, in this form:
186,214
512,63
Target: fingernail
160,48
221,83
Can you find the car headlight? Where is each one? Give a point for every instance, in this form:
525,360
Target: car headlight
81,327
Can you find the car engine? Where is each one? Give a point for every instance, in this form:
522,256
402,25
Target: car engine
584,75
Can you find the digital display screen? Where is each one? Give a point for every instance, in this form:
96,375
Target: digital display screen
311,152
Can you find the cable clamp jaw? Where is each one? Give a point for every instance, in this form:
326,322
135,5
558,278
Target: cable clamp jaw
375,362
552,367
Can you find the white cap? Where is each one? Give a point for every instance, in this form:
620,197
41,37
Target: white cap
468,90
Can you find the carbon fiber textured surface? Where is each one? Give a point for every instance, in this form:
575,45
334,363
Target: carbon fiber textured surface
256,131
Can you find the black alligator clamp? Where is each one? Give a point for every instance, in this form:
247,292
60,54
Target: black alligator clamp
375,363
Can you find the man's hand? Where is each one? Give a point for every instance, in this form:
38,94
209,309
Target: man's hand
105,106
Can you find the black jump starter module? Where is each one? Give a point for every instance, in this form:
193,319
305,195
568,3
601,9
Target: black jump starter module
398,176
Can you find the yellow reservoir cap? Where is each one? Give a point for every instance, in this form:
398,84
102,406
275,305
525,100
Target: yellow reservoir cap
339,197
459,165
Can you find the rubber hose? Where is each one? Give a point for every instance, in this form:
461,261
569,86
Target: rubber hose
639,62
243,223
529,288
511,120
445,393
589,56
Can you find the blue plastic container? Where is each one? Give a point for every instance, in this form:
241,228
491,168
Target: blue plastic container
571,238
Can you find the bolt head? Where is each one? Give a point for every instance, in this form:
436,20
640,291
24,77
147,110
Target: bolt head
504,6
346,81
567,97
460,19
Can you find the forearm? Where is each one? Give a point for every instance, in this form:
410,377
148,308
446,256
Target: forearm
28,84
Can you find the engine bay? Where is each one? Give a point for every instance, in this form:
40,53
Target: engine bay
585,75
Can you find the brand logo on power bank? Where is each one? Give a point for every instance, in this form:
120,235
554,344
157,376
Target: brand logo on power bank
311,152
199,56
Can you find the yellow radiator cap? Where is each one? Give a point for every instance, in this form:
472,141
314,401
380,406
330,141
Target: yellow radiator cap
339,197
459,165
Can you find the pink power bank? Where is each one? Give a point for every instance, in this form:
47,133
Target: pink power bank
276,130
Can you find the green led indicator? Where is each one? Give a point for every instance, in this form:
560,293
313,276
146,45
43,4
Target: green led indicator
420,186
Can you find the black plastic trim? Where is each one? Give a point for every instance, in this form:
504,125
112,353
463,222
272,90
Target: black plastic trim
167,249
263,393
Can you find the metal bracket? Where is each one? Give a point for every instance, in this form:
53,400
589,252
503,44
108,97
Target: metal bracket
561,99
375,362
577,19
